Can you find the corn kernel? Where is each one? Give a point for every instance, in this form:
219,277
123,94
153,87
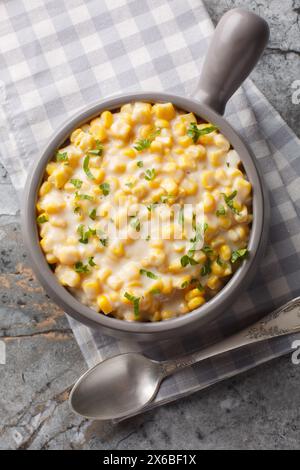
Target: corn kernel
161,123
224,222
53,207
217,269
170,186
104,304
107,118
192,294
197,152
208,179
68,254
217,158
51,167
141,112
98,174
167,286
209,203
196,302
225,252
118,249
51,258
60,176
114,282
129,152
91,288
45,188
75,135
67,276
156,146
221,142
213,282
121,130
103,274
98,131
164,111
175,267
166,314
185,141
180,129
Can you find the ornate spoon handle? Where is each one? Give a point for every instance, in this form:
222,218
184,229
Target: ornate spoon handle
283,321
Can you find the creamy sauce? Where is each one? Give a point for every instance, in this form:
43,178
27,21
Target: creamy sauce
127,172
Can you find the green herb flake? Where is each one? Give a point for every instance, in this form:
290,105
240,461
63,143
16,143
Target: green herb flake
135,223
41,219
207,250
239,255
155,291
186,259
61,157
181,217
149,175
143,144
148,274
221,211
140,164
81,268
85,234
206,268
83,196
86,169
76,182
91,261
229,201
194,132
93,214
105,188
98,150
135,301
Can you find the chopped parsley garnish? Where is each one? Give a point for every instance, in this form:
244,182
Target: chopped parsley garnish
135,223
76,182
239,255
149,175
93,214
219,261
207,250
148,274
83,196
105,188
81,268
41,219
102,237
185,284
200,231
194,132
85,234
165,198
61,157
86,169
135,301
152,206
229,201
140,164
181,217
155,291
91,261
77,210
143,144
206,268
186,259
98,150
221,211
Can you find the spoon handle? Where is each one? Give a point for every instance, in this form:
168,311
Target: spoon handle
283,321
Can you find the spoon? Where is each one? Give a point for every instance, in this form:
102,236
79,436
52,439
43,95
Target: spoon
124,384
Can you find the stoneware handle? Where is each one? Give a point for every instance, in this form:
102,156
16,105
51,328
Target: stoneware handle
238,42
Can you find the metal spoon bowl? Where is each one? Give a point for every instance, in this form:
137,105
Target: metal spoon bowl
123,385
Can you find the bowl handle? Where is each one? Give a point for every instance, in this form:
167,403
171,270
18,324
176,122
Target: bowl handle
238,41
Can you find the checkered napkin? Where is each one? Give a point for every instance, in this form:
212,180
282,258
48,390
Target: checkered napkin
58,56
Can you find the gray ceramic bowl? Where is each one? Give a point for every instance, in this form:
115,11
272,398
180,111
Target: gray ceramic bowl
239,40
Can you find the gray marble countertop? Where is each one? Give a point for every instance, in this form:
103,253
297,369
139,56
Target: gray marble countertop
259,409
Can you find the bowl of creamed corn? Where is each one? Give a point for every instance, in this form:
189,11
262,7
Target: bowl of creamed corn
145,216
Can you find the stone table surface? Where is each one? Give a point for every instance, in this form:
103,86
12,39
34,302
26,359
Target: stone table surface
259,409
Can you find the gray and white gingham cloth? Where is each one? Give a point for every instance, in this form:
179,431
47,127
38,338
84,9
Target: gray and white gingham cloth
58,56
